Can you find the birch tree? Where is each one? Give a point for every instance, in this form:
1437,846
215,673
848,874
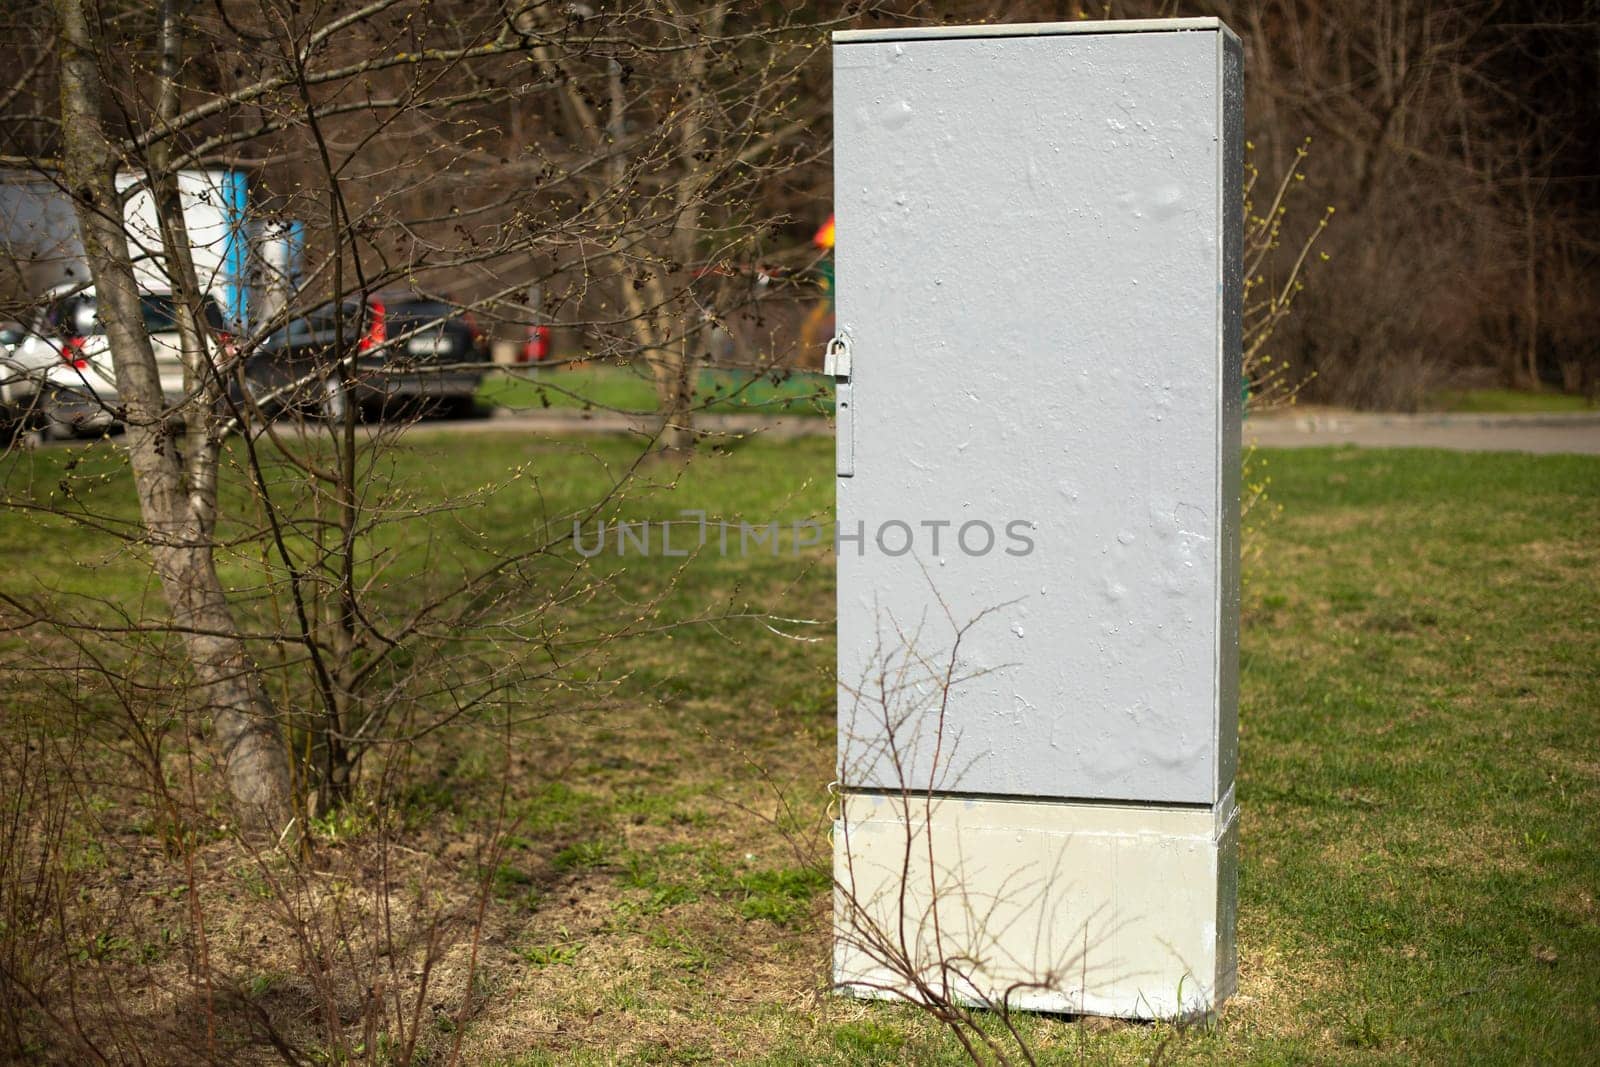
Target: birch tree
615,161
177,493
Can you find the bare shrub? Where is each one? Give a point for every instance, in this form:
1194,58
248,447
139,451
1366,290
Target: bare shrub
213,853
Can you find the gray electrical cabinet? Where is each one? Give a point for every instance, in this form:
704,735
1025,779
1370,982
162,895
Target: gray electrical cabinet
1038,372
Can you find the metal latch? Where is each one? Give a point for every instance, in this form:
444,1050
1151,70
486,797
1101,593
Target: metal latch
836,364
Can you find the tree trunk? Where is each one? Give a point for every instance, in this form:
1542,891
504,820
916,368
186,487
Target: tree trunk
178,506
675,372
1530,280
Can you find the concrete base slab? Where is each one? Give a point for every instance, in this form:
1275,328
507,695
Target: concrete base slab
1046,905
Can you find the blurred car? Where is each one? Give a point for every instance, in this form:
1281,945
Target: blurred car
59,375
12,334
399,346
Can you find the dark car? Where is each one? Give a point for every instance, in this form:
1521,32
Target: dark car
397,346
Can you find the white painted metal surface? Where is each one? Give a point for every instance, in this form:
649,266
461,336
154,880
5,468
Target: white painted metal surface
1037,264
1030,238
836,365
1029,29
1021,892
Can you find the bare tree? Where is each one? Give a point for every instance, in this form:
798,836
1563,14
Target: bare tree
323,618
1453,138
391,130
177,494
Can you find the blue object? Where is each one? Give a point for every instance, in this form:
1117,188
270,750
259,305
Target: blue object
297,251
235,203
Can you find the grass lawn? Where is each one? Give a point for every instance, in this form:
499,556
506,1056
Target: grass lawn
1419,784
1508,401
611,387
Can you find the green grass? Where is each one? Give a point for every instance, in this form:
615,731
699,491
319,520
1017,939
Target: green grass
1420,714
1508,401
610,387
1419,778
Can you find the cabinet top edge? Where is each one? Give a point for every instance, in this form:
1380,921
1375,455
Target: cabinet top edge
1031,29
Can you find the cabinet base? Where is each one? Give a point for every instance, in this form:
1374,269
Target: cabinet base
1045,905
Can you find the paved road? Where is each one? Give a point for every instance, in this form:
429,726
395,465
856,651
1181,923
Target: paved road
1579,433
